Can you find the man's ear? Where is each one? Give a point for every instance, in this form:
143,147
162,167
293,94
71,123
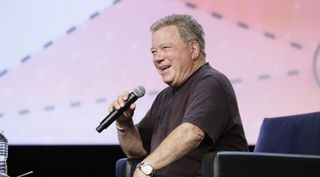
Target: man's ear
195,49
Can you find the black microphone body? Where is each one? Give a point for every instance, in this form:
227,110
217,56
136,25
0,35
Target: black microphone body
112,116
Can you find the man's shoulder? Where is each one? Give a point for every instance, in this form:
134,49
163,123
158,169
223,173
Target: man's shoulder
207,72
212,79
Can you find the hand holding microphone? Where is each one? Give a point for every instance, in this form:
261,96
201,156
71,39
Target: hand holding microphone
122,107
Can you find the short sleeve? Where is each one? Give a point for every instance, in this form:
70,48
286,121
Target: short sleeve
145,127
208,107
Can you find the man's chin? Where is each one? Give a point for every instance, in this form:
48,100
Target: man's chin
169,82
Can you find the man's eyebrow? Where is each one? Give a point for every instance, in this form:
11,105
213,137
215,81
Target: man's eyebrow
167,43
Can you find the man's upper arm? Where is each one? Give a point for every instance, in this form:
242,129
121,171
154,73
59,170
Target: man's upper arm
208,107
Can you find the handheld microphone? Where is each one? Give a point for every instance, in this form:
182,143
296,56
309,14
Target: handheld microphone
133,96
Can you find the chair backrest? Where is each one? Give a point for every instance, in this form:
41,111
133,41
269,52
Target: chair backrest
295,134
125,167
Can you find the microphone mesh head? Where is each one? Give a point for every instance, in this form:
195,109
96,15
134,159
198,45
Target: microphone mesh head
139,91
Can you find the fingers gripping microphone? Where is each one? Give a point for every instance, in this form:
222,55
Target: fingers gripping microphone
133,96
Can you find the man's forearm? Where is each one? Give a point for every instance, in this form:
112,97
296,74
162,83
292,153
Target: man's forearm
181,141
131,143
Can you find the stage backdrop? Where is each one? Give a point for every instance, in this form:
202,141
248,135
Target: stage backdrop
63,62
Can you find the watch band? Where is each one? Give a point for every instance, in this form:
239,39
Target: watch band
145,168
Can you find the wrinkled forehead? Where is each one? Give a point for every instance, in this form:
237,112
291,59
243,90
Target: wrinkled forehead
166,34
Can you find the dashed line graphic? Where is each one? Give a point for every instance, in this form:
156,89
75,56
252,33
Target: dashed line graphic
75,104
72,29
101,100
3,72
190,5
264,77
269,35
293,72
26,58
49,108
243,25
296,45
216,15
24,112
115,2
48,44
94,15
236,81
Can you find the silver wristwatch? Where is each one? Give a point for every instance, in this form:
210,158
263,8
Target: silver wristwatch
145,168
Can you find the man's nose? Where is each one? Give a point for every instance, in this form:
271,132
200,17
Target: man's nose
158,56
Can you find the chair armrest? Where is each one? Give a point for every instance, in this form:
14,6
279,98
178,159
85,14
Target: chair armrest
253,164
125,167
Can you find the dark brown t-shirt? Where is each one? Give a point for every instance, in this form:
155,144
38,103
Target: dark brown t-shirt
207,100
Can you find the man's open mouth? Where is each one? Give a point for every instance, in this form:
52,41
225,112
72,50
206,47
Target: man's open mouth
164,68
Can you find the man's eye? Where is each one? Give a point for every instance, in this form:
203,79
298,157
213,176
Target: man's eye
165,47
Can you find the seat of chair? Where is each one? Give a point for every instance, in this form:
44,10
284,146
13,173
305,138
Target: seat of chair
255,164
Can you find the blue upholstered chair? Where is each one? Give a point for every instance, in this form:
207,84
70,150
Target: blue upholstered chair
125,167
287,146
296,134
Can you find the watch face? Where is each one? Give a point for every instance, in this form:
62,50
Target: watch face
146,169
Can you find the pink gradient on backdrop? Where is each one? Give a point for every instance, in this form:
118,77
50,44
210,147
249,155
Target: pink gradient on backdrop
110,54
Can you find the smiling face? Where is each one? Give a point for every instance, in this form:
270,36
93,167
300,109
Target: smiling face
173,58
